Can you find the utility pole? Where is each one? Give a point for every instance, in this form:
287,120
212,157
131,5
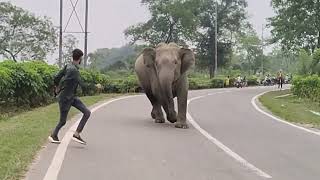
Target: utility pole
86,36
262,47
83,30
216,41
60,35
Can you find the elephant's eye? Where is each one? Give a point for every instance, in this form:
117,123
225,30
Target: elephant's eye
175,62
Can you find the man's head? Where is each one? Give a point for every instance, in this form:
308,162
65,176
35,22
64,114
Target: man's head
77,55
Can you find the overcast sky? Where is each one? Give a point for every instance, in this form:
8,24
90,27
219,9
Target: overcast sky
109,18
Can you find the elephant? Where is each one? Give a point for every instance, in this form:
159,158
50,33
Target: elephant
162,74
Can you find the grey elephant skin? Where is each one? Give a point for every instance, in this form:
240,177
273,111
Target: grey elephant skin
162,73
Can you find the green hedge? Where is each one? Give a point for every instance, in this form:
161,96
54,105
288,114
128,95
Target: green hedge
207,83
23,84
307,87
31,83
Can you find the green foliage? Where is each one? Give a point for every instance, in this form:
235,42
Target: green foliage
30,84
252,81
282,59
109,59
296,24
315,64
23,35
124,85
198,82
304,62
192,22
307,87
250,52
232,21
26,86
309,64
173,21
70,43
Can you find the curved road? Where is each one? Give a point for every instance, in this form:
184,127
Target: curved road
125,144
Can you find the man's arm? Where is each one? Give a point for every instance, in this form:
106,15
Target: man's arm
81,83
59,76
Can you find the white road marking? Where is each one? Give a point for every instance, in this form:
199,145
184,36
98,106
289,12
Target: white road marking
227,150
253,102
316,113
285,95
56,163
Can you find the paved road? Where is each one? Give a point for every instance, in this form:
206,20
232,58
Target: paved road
125,144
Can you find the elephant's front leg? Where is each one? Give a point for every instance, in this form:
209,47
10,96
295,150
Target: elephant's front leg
182,105
156,112
171,113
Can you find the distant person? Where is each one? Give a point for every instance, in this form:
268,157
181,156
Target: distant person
239,79
244,80
66,83
227,81
280,79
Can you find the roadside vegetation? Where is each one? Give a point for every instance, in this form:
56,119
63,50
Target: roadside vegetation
27,107
292,108
23,134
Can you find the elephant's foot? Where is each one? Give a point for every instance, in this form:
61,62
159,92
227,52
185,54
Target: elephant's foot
172,117
181,125
154,113
160,120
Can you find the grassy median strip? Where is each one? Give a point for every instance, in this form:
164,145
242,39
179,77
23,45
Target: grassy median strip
22,135
292,108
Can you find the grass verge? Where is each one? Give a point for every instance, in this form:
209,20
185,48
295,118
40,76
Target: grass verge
292,108
22,135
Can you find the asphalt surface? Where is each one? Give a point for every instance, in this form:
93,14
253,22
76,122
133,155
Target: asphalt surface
125,144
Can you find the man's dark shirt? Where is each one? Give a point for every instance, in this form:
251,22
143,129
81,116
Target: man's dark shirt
68,80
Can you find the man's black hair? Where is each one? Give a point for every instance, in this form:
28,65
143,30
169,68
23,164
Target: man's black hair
77,54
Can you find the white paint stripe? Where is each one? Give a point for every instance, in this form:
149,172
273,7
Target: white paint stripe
316,113
285,95
55,166
253,102
227,150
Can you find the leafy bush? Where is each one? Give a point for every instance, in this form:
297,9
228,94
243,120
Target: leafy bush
31,83
27,86
252,81
205,83
6,84
307,87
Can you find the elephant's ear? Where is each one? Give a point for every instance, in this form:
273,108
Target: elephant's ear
149,55
187,59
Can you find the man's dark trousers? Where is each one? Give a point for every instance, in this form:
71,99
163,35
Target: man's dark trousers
64,106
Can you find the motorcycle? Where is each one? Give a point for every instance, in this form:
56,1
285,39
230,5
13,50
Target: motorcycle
238,84
268,82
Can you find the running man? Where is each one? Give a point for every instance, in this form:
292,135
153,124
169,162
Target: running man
66,83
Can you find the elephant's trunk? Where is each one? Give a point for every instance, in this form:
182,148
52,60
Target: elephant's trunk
166,79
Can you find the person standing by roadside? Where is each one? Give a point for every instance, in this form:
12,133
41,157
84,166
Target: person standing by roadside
227,81
66,83
280,79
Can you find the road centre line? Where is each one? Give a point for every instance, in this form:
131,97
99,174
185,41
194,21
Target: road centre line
227,150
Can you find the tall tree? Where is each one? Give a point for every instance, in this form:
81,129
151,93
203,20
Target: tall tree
103,58
297,24
171,21
231,20
69,44
250,52
23,35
